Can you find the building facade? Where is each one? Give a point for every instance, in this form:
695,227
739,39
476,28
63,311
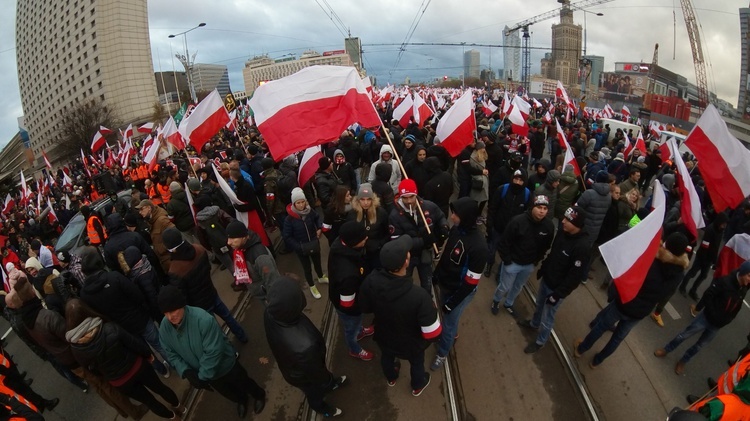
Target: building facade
87,50
471,64
208,77
743,100
263,68
511,54
596,68
562,64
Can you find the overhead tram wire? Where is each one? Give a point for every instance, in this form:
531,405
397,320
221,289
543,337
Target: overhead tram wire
410,33
338,19
331,18
458,44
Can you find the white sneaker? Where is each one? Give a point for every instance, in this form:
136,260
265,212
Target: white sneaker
315,293
323,279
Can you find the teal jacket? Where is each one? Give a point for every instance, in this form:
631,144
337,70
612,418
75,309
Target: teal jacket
197,343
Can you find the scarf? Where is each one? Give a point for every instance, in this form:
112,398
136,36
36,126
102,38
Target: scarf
75,334
304,212
142,267
241,274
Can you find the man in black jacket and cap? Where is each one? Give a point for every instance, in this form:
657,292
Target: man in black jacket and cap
120,238
405,317
246,247
298,345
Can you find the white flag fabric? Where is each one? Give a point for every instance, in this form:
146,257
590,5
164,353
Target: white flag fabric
457,126
690,204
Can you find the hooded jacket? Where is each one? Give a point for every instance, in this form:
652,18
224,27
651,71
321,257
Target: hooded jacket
525,240
142,274
405,317
346,271
415,169
190,271
298,230
295,342
179,212
439,186
118,298
325,185
502,209
402,222
159,222
464,256
120,239
214,221
562,270
112,352
395,175
595,201
49,332
382,187
567,193
344,172
723,300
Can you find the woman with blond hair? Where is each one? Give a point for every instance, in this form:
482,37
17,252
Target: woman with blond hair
366,210
479,181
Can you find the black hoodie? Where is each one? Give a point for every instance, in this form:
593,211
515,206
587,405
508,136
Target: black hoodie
120,239
439,186
415,169
346,270
382,187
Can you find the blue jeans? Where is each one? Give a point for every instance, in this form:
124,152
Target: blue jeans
352,326
416,363
544,315
700,323
450,323
605,320
511,279
222,311
424,269
493,241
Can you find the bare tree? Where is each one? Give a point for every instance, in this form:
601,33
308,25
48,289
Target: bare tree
80,123
160,115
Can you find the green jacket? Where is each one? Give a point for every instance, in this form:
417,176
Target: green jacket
197,343
567,193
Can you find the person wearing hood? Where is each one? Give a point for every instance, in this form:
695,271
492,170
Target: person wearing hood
179,212
190,271
549,189
595,203
406,320
525,241
343,170
138,269
42,280
567,191
415,168
662,278
246,248
120,239
717,308
465,171
44,254
214,221
537,179
198,350
367,210
506,202
121,301
707,254
302,229
458,271
325,181
386,156
439,186
298,346
409,152
560,276
479,181
618,167
506,173
158,221
382,187
352,155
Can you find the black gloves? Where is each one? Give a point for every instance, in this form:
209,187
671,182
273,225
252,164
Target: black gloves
192,377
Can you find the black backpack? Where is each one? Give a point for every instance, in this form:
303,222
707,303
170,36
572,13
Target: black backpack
285,184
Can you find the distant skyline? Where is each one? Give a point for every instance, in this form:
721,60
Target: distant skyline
237,31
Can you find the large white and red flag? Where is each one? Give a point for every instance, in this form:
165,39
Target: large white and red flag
456,128
518,116
311,107
128,132
151,155
25,193
46,160
725,161
146,128
9,203
655,128
368,86
690,204
232,125
52,215
628,265
560,92
208,117
404,111
99,141
734,253
309,164
172,135
569,158
489,108
506,103
66,180
422,111
640,144
625,111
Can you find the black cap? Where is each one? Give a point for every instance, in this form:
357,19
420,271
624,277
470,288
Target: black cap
393,253
236,229
676,243
170,299
131,220
172,238
576,216
352,233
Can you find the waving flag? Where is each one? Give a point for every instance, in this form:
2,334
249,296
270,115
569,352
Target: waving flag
422,111
146,128
46,161
172,135
456,129
506,103
489,108
9,204
569,158
368,85
625,112
99,141
206,119
727,163
66,180
734,253
309,164
404,111
518,116
690,205
628,265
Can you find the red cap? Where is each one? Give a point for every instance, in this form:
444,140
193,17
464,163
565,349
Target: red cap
407,187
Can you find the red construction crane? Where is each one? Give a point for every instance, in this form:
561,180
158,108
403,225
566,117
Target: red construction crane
695,44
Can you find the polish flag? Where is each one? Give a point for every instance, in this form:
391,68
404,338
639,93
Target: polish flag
66,180
129,131
309,164
506,103
9,204
569,158
560,92
547,118
46,160
690,205
518,116
51,216
368,85
536,103
625,112
404,111
640,144
99,141
422,111
151,157
208,117
489,108
384,95
146,145
456,129
734,253
191,202
727,173
146,128
25,194
232,120
628,265
172,135
655,128
311,107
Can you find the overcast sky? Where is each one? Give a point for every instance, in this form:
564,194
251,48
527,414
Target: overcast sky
236,31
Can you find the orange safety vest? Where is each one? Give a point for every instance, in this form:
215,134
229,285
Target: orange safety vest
153,194
94,195
731,377
733,408
142,172
165,193
5,390
93,233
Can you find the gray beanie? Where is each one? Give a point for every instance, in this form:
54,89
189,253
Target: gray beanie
553,175
298,194
174,186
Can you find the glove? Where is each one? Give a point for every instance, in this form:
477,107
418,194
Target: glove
552,300
192,377
446,309
429,239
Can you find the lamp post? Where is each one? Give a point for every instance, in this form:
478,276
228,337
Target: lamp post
585,62
463,60
188,61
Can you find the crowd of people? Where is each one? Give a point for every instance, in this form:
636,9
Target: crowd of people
136,299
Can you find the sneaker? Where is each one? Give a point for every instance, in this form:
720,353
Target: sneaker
495,308
397,367
315,293
417,392
339,382
180,410
527,324
657,319
660,353
323,279
161,368
510,310
365,332
336,413
363,355
693,311
488,271
439,361
532,348
166,366
575,348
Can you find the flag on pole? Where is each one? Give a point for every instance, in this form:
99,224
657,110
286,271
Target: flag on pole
66,180
727,169
191,202
9,204
309,164
628,265
146,128
404,111
208,117
99,141
734,253
46,161
172,135
52,215
456,128
422,111
518,116
489,108
506,103
368,85
625,112
569,158
690,205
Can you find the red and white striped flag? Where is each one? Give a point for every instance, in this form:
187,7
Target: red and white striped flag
422,111
727,162
25,193
232,120
625,112
311,107
518,116
456,128
146,128
129,131
734,253
489,108
655,128
690,205
208,117
99,141
628,265
66,180
151,156
368,86
404,111
9,204
569,158
309,164
52,215
172,135
560,92
506,103
547,118
46,161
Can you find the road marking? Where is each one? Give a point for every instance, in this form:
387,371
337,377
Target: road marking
672,311
746,304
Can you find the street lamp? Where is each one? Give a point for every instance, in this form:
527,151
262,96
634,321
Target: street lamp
188,61
585,62
463,61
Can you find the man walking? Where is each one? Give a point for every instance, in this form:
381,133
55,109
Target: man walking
158,221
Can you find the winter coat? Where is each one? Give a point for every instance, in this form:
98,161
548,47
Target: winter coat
595,202
142,274
120,239
723,300
246,193
439,187
332,222
346,271
49,332
298,230
325,185
197,344
401,222
395,175
403,312
416,170
274,204
296,344
478,167
377,232
381,186
214,221
567,193
710,243
251,251
551,193
118,298
562,270
526,240
159,222
663,277
502,209
190,271
112,352
344,172
179,211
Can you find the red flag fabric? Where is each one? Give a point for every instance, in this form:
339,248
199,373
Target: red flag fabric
727,162
309,164
628,265
368,85
570,158
625,112
456,128
172,134
690,205
489,108
734,253
9,204
311,107
518,118
560,92
129,131
404,111
208,117
422,111
46,161
146,128
98,142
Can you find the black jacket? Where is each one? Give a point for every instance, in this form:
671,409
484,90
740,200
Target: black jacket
525,240
190,271
298,230
118,298
377,233
325,185
179,211
562,270
402,223
382,187
405,317
120,239
214,221
503,208
708,250
111,353
346,270
251,250
723,300
439,186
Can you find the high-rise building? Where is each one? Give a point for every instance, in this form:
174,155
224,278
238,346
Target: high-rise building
74,51
511,54
595,72
566,49
353,47
208,77
471,63
743,101
263,68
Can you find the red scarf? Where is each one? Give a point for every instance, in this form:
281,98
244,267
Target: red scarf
241,274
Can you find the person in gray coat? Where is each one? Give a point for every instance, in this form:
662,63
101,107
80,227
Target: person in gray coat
595,202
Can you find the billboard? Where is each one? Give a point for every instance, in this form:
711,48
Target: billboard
628,87
333,53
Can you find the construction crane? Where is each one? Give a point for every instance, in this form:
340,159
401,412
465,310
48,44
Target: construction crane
652,70
524,27
695,45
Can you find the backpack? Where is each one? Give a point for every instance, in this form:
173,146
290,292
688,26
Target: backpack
284,186
506,187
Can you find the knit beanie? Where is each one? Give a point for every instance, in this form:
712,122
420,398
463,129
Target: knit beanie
170,299
172,238
553,175
174,186
236,229
676,243
298,194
